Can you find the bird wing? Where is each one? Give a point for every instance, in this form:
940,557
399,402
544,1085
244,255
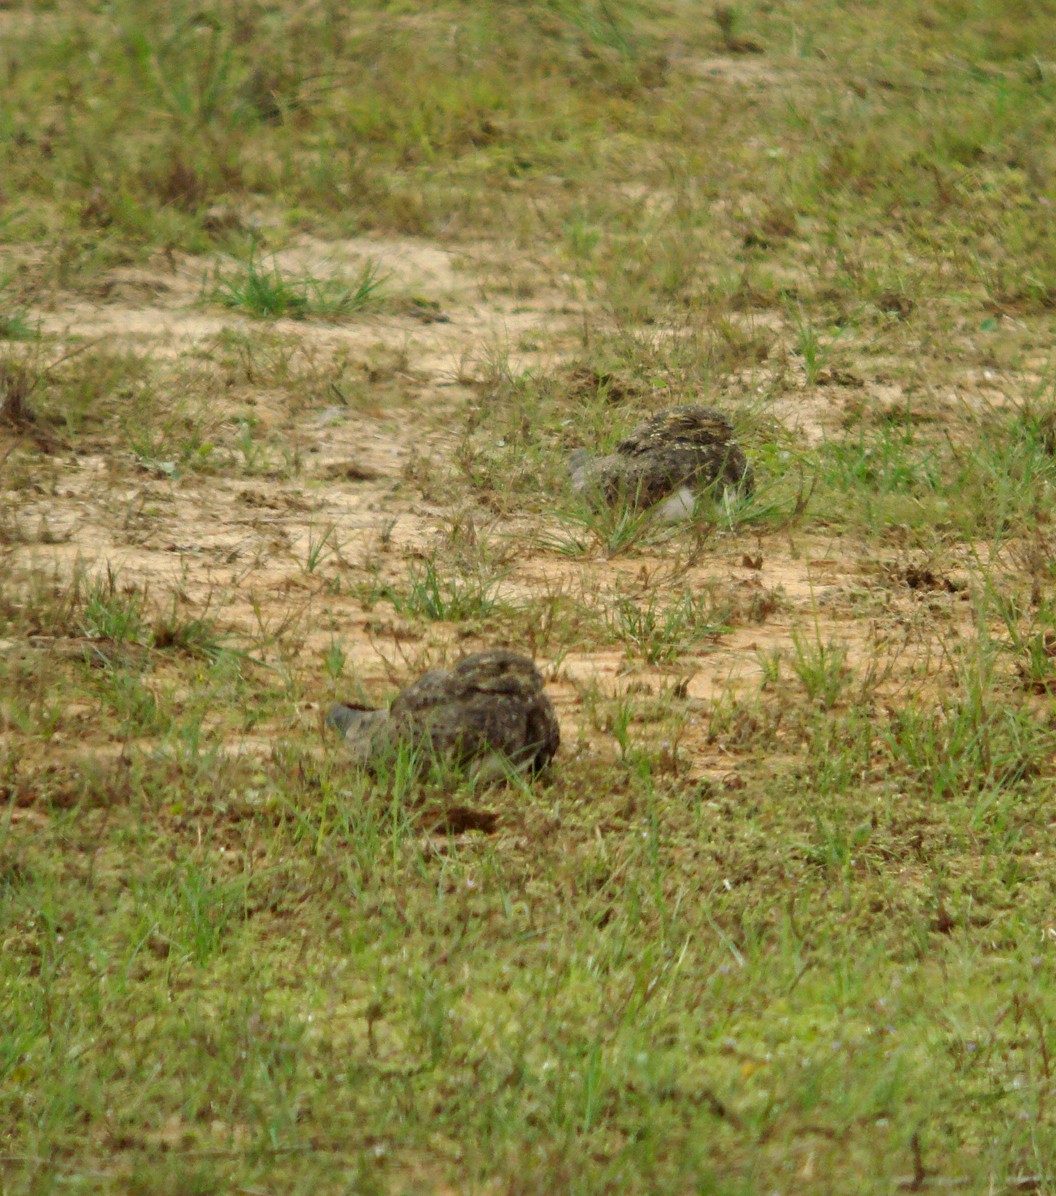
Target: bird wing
489,701
682,425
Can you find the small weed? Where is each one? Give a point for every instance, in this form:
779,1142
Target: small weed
321,546
133,703
254,455
334,659
662,633
836,847
204,907
813,351
112,611
14,326
615,530
821,667
429,594
620,716
260,288
195,635
770,666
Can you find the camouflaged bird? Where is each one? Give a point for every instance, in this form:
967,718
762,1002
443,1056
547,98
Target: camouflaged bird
669,456
489,708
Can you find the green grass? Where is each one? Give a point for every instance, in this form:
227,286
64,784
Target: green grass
431,595
664,635
261,289
670,1015
779,918
14,326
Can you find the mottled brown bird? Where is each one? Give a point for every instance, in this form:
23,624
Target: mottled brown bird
669,456
488,708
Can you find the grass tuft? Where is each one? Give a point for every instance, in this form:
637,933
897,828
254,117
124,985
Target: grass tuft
261,288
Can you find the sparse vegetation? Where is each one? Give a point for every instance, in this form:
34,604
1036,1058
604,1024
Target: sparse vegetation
779,917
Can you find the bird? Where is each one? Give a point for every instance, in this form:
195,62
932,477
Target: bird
669,456
487,711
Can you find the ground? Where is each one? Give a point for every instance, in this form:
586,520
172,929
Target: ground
302,310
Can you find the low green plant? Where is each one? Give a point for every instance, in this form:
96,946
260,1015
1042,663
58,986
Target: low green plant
321,546
110,610
196,635
663,632
261,288
433,593
615,530
821,667
335,659
15,326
